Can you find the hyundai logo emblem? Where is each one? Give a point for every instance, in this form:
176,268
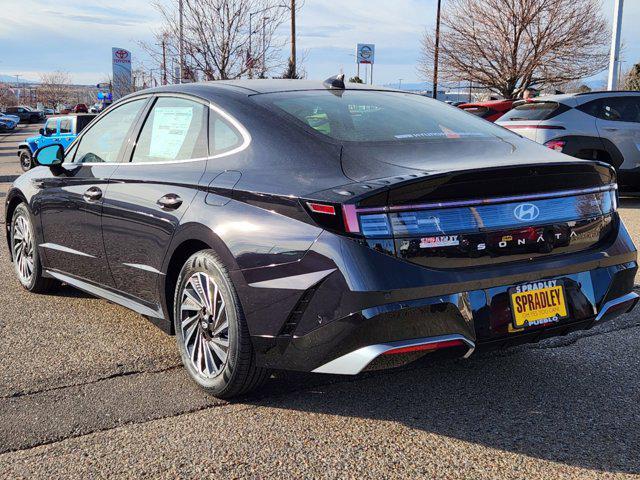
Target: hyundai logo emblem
526,212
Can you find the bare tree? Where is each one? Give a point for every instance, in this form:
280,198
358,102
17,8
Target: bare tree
632,78
217,41
7,96
54,88
511,45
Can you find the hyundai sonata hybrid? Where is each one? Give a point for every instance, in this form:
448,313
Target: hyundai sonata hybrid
321,226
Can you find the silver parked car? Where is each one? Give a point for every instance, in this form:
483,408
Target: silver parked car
598,125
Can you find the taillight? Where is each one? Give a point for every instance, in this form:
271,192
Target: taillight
429,347
350,217
556,145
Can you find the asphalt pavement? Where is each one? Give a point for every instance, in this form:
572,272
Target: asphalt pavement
89,389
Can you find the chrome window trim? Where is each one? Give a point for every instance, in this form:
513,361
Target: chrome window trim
246,141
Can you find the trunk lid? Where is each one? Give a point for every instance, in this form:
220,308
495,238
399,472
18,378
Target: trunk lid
478,202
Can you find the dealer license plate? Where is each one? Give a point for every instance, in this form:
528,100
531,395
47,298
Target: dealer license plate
538,303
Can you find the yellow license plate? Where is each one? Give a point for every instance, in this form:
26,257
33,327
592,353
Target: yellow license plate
538,303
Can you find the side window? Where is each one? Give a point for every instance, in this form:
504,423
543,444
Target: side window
65,126
174,130
222,135
614,109
51,128
103,142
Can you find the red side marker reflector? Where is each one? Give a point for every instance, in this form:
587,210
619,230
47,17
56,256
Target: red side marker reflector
426,347
322,208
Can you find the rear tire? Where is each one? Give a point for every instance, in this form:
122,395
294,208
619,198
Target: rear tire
26,160
211,329
24,250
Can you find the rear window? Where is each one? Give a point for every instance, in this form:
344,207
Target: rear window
532,111
373,116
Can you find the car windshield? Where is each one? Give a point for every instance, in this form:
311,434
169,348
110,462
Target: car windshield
530,111
378,116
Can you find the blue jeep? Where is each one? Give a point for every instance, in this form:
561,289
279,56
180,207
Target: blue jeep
62,130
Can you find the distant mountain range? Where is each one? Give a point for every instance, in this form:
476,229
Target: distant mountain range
12,79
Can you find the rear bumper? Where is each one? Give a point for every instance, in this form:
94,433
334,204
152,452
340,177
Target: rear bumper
359,303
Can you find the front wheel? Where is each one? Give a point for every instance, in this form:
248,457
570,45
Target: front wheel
211,330
26,160
26,259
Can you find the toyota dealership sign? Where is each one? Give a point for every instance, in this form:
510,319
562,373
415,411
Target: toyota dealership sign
121,64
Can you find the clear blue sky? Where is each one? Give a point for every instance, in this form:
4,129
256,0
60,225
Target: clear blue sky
77,35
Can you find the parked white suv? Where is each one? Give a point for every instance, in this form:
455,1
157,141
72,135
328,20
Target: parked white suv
600,125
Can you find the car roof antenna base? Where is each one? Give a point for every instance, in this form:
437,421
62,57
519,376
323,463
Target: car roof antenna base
335,82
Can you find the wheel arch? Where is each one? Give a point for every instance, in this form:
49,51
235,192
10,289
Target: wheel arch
14,199
578,145
187,241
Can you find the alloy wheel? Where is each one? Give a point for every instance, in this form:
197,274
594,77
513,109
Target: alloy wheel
23,249
25,161
204,324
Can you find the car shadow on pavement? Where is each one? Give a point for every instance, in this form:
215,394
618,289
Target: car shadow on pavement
67,291
553,406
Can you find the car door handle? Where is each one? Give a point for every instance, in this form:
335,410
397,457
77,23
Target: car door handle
94,193
610,129
170,201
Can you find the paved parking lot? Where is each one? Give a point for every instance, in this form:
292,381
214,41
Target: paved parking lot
91,390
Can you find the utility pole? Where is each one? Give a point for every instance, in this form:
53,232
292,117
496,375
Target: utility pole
293,37
181,41
614,59
164,59
18,87
435,53
250,59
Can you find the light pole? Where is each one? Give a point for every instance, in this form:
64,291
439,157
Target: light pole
614,58
436,52
181,40
18,87
399,84
264,44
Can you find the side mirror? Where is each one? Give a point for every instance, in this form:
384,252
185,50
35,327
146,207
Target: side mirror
50,155
41,131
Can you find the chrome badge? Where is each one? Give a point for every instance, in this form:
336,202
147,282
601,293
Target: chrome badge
526,212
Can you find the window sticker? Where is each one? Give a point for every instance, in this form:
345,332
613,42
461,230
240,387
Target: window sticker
170,127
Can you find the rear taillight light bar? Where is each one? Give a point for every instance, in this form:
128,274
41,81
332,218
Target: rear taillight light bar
473,216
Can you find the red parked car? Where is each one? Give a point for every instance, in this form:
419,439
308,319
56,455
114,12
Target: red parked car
80,108
491,110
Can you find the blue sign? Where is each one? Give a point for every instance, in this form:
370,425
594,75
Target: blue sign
365,53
